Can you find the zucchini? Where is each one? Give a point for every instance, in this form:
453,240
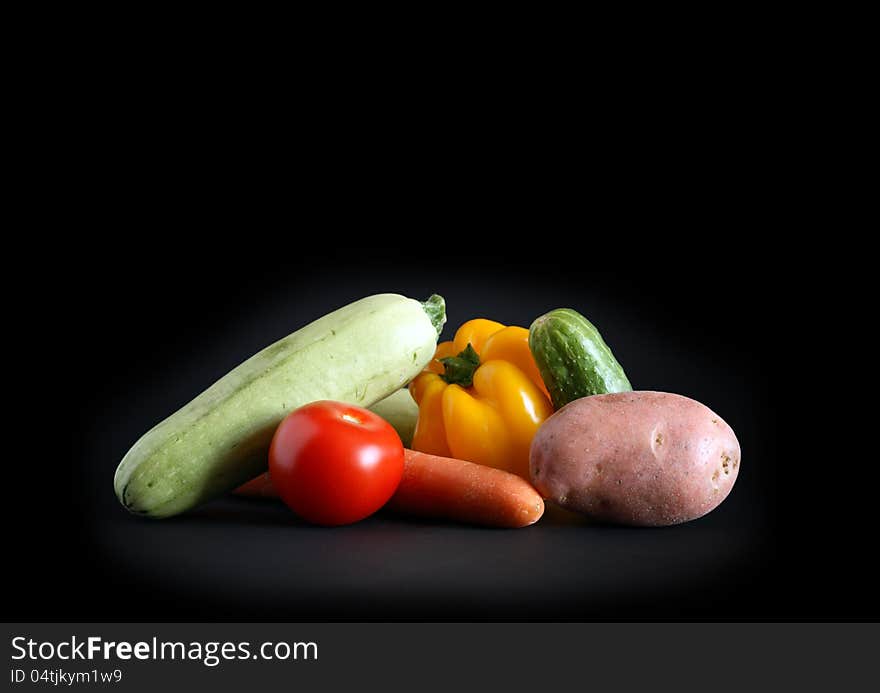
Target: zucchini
402,412
358,354
573,359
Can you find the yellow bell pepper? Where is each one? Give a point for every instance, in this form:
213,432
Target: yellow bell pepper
481,398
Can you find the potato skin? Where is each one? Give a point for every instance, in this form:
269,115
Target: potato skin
635,458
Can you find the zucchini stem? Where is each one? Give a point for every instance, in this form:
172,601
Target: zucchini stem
435,307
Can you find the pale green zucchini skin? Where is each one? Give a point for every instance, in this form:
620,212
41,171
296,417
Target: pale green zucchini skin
358,354
401,411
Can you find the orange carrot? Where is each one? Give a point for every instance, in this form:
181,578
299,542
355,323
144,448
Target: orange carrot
452,489
260,487
446,488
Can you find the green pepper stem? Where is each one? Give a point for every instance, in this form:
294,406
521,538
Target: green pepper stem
460,369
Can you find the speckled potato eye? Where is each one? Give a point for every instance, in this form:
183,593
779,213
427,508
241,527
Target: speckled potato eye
635,458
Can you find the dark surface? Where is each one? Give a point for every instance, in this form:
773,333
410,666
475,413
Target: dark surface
254,559
148,340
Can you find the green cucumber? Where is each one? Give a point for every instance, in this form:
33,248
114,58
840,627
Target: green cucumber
358,354
402,412
573,359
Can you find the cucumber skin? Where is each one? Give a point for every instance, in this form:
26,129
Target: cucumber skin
358,354
573,359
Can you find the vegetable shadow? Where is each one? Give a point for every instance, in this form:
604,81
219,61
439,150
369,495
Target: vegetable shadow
243,511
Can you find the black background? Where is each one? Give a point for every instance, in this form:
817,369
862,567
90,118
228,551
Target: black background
200,257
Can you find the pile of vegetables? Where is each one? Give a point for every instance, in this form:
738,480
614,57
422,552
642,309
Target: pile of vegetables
362,410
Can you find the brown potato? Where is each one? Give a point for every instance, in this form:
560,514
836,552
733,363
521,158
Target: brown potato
635,458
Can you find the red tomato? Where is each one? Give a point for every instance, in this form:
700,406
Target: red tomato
335,463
